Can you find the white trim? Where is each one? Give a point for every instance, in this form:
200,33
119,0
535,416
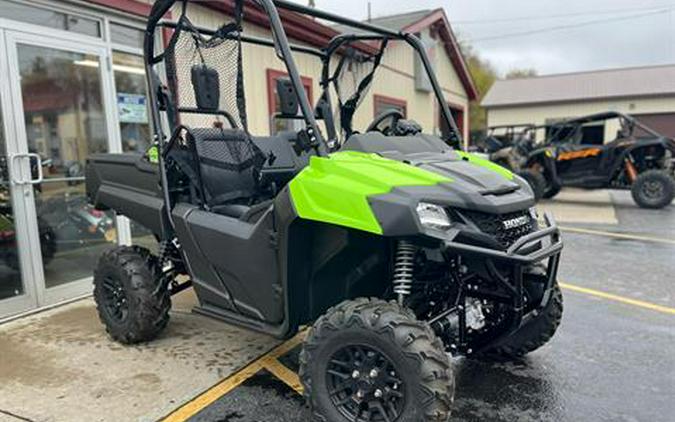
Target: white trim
44,295
15,316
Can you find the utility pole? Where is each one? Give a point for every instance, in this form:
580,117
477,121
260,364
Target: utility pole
369,13
311,4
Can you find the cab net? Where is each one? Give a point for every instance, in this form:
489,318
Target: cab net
205,77
352,76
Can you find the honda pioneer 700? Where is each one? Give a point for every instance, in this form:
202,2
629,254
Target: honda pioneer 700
397,248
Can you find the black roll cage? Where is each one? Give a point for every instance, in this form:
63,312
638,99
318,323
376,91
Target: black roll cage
626,121
284,50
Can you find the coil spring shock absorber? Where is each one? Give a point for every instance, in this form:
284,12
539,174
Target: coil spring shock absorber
404,264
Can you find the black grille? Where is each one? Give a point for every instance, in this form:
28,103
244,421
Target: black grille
494,225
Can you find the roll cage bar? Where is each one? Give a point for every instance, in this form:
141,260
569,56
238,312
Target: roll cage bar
284,50
627,122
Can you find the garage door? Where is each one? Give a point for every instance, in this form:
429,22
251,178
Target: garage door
662,122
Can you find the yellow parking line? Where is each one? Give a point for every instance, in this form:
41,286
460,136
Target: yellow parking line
267,361
193,407
618,235
280,371
617,298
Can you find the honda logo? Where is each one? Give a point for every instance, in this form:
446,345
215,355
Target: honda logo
515,222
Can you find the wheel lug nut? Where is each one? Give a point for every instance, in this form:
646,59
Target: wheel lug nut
373,373
356,374
359,394
378,393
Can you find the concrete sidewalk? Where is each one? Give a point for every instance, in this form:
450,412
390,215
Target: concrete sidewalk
581,206
60,365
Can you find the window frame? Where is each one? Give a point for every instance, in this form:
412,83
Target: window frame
271,76
391,101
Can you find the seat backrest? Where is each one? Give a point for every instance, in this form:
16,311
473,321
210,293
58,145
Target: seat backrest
228,164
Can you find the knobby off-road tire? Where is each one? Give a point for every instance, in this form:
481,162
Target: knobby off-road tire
536,180
551,188
653,189
531,336
128,298
416,356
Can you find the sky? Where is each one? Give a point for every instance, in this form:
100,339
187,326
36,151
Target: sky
517,34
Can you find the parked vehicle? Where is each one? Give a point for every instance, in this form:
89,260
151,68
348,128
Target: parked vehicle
395,247
639,159
9,254
510,146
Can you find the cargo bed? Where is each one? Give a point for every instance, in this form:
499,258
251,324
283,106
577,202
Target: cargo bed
127,184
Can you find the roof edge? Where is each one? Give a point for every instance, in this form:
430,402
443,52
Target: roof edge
451,45
575,100
314,33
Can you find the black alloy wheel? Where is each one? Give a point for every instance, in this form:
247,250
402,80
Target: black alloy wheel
115,302
131,297
653,189
363,385
367,360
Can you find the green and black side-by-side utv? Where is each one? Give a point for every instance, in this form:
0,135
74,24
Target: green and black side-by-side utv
398,249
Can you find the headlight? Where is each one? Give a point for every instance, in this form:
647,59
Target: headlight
433,216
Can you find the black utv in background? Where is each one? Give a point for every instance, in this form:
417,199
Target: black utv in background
638,158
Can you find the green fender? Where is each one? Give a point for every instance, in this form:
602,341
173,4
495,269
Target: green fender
335,189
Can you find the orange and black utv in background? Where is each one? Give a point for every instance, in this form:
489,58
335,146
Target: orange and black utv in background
639,158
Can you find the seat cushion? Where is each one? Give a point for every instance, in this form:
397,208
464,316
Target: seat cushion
228,162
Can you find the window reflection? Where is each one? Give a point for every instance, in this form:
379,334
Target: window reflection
132,102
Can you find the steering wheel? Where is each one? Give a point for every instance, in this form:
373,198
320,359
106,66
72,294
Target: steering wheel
393,114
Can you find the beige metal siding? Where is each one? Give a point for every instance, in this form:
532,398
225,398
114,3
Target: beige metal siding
394,79
539,114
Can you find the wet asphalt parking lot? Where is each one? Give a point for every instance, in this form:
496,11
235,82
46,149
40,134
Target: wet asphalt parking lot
613,358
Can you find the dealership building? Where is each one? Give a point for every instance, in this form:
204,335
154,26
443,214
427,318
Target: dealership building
72,83
647,93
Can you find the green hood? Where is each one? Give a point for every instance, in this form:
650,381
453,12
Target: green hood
335,189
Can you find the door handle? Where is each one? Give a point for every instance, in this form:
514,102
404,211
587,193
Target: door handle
38,161
14,168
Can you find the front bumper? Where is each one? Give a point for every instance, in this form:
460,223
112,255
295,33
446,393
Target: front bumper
516,252
530,249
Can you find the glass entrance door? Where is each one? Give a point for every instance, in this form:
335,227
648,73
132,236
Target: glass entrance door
16,293
61,115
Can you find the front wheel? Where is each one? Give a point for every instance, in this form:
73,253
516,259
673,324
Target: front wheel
130,302
653,189
371,360
536,180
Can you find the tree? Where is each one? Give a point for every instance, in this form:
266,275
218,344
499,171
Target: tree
484,75
521,73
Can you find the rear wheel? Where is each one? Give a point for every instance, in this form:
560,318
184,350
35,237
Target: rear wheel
653,189
130,302
536,180
371,360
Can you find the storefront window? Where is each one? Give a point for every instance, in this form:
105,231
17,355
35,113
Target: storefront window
126,35
133,112
53,19
132,102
